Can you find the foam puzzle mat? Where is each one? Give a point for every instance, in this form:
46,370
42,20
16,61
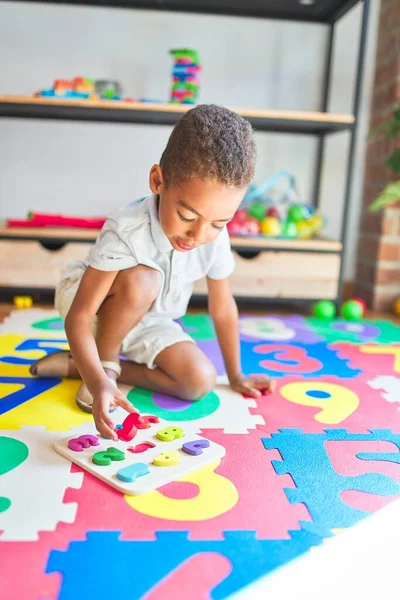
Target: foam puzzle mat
302,465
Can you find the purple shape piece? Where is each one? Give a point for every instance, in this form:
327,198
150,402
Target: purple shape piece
212,350
195,448
361,330
303,333
170,402
83,441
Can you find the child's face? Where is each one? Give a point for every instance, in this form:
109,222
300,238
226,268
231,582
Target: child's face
194,213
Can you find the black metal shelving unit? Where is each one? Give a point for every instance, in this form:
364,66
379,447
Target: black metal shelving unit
326,12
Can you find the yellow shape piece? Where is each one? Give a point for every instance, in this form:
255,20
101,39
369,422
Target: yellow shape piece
8,344
216,496
341,404
167,459
370,349
55,409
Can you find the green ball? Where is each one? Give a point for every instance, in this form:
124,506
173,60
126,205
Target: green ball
351,310
289,229
324,309
258,211
297,213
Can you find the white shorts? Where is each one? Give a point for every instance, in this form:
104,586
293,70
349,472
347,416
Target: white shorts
144,342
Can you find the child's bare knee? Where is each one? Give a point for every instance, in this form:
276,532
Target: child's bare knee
139,285
198,381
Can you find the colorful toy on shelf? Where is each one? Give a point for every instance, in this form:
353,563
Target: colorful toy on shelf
324,309
23,301
242,224
50,220
185,76
352,310
83,88
278,212
271,226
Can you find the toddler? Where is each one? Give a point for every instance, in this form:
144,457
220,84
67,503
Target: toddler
137,279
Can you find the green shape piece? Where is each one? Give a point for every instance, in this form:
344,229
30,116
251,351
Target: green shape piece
12,454
390,332
201,324
48,324
5,503
143,401
170,434
103,459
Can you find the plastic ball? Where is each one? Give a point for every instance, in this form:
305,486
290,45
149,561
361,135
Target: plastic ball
289,229
257,210
241,216
273,212
235,228
351,310
362,303
271,226
397,307
252,227
296,213
324,309
304,230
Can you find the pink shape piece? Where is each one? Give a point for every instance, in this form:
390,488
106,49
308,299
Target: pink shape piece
132,423
141,447
83,441
128,429
144,421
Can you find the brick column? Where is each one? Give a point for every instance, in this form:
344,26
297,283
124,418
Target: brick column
378,255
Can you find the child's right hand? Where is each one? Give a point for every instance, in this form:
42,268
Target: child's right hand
108,395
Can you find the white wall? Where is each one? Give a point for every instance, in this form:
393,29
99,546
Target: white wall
88,168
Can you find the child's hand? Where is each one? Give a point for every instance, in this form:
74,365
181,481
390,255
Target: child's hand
108,395
253,386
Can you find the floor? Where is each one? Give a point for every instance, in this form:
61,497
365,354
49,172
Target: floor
301,466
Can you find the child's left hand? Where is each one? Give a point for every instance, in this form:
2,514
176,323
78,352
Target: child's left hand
253,386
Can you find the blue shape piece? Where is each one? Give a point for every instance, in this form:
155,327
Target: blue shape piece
318,485
118,426
328,361
32,388
132,472
47,345
148,562
318,394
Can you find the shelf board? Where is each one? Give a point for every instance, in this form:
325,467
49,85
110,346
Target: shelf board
60,235
323,11
27,107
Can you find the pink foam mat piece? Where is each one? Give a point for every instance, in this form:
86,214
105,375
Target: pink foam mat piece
372,411
345,462
246,464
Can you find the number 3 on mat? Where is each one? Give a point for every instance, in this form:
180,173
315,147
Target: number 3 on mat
216,496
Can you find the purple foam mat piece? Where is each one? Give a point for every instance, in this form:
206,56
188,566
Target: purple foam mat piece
212,350
301,331
170,402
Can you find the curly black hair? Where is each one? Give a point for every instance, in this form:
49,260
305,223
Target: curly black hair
210,142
